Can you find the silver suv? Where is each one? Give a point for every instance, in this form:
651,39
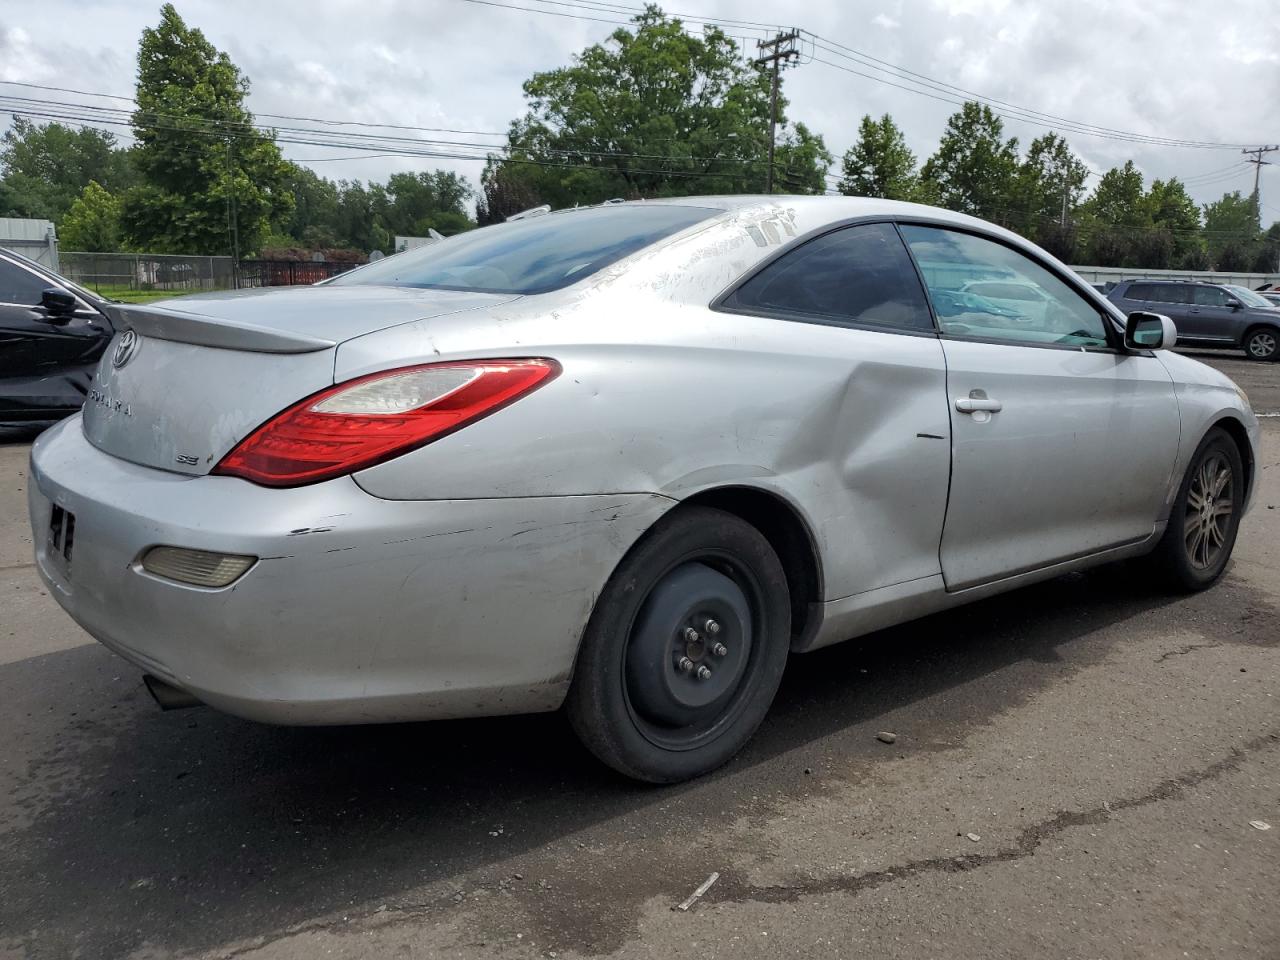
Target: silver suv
1207,314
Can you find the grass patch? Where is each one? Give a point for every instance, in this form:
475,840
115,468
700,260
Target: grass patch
129,295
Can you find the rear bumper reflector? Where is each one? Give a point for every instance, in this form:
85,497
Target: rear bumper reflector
200,568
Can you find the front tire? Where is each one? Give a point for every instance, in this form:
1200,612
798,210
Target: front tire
1262,343
1205,517
685,649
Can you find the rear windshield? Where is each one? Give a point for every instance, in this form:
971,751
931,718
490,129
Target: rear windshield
531,256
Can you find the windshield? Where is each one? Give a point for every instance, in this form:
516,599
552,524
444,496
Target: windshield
531,256
1248,297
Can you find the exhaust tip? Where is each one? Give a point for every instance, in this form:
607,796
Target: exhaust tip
167,696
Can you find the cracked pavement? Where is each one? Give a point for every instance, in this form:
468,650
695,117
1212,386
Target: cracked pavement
1106,744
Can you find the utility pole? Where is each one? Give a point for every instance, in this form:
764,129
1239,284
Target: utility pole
1258,164
781,49
232,219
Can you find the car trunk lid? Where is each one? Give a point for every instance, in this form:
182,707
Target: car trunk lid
183,382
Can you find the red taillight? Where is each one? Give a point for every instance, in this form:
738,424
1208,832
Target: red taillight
371,419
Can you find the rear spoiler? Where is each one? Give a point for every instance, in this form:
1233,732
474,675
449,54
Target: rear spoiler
166,323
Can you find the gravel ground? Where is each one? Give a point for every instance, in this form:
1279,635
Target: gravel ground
1075,773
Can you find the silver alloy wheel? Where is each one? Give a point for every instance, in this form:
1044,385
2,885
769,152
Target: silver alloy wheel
1262,344
1209,509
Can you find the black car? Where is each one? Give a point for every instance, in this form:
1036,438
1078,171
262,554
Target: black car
1207,314
52,333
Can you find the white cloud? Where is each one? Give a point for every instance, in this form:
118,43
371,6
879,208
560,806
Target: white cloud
1150,68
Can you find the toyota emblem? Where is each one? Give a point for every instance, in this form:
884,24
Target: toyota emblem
125,349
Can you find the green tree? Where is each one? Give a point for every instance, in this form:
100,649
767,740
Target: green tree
1233,231
1119,200
504,190
203,164
975,169
1172,210
1116,218
43,168
358,223
880,164
93,222
312,220
1047,188
418,202
801,162
1268,256
653,112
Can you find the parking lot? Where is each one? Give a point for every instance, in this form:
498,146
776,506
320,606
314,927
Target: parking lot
1075,773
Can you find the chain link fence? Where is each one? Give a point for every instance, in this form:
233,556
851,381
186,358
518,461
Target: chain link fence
122,275
116,274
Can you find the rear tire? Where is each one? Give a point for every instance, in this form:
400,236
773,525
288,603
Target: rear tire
660,703
1262,343
1205,517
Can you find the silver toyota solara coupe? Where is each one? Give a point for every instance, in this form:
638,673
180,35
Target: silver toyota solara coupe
621,459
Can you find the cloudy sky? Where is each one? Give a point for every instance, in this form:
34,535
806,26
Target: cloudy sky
1187,71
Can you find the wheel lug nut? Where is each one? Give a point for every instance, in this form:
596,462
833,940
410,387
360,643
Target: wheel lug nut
704,672
685,664
719,649
712,627
691,635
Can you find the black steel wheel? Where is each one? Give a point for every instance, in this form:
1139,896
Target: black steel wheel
1206,515
685,649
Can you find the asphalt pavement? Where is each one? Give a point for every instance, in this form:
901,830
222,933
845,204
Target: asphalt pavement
1081,769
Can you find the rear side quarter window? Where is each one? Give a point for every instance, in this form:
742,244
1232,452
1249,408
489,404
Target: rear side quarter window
855,276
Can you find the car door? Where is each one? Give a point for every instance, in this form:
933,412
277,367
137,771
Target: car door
46,363
1208,317
848,307
20,320
1062,443
1174,301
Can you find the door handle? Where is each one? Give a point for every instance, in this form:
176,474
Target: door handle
972,404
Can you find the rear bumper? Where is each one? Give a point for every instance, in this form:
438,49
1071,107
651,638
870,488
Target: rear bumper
358,610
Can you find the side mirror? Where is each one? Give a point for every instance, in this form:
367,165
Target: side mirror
58,303
1233,303
1149,331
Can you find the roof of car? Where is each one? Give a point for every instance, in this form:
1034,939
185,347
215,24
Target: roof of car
834,208
837,206
1207,283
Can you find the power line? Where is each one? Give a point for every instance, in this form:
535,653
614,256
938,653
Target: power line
1010,114
1234,167
273,116
218,129
449,155
921,79
1005,109
549,13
